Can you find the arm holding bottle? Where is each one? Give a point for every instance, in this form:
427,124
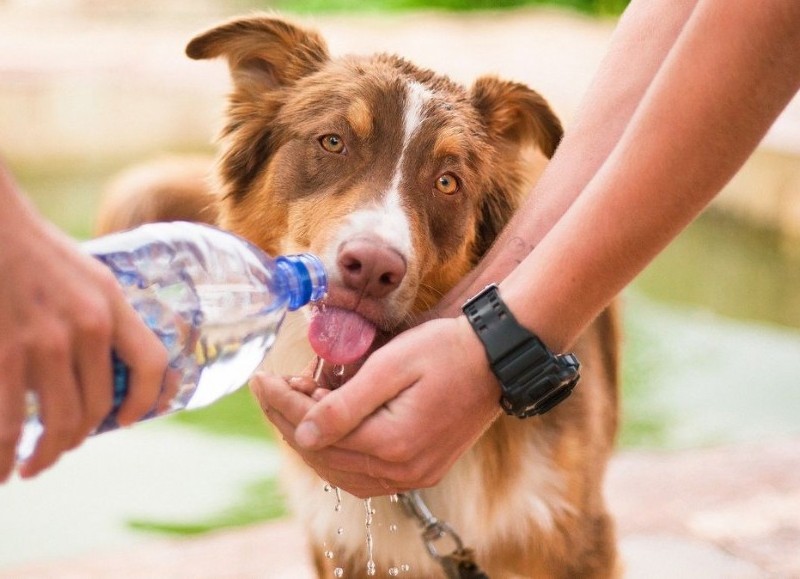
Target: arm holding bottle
61,314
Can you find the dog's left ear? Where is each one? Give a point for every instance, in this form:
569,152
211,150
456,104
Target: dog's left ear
516,115
262,52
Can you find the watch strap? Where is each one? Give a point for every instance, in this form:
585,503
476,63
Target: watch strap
533,379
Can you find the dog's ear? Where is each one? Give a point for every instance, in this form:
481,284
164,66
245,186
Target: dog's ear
262,52
516,115
515,119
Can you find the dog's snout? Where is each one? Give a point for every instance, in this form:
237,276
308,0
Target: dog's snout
371,268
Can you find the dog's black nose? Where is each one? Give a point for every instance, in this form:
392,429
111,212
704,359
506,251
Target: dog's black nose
370,267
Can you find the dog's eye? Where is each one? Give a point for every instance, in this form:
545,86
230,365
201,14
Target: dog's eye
332,143
447,183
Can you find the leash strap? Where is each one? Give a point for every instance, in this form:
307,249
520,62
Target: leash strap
460,563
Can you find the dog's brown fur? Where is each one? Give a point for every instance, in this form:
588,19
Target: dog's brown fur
528,496
167,189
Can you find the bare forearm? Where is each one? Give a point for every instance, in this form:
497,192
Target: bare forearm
732,71
639,46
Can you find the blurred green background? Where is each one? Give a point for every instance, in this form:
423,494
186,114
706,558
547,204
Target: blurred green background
602,7
712,346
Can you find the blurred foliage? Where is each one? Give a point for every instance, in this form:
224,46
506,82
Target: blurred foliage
643,424
722,265
234,415
261,501
65,193
597,7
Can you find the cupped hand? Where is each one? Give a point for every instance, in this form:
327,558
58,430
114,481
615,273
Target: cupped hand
61,315
415,406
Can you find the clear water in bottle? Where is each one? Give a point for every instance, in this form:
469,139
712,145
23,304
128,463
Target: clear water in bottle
215,301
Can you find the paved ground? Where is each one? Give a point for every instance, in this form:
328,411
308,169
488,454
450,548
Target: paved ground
725,512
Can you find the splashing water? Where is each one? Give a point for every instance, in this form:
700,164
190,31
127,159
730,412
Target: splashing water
337,491
318,370
368,526
369,513
338,506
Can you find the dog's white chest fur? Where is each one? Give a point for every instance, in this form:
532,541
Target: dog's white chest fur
462,500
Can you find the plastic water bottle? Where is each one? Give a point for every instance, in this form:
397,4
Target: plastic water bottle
215,301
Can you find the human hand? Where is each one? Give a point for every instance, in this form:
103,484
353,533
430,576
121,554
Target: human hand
61,314
415,406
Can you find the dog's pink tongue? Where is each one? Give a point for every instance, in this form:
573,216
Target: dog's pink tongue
340,336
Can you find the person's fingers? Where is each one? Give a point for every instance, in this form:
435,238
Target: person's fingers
289,398
51,376
169,388
12,409
341,411
338,467
146,358
273,392
93,368
304,384
285,402
320,393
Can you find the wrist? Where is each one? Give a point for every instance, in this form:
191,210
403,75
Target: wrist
541,312
483,378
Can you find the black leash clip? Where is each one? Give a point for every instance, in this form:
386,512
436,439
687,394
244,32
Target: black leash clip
460,563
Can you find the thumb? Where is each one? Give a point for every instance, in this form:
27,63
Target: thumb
344,409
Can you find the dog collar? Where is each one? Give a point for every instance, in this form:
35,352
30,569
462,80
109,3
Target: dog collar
533,379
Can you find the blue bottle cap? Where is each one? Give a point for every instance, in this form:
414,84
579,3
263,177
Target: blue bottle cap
308,282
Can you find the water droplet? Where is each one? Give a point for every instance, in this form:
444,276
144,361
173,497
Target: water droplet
318,369
338,370
338,507
327,488
405,568
340,531
394,571
338,572
393,498
329,554
392,528
371,568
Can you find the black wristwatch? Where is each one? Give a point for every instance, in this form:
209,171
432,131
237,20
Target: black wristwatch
533,379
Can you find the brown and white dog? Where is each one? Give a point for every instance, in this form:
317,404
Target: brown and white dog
400,179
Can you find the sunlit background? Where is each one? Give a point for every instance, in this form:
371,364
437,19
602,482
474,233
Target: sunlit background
89,87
